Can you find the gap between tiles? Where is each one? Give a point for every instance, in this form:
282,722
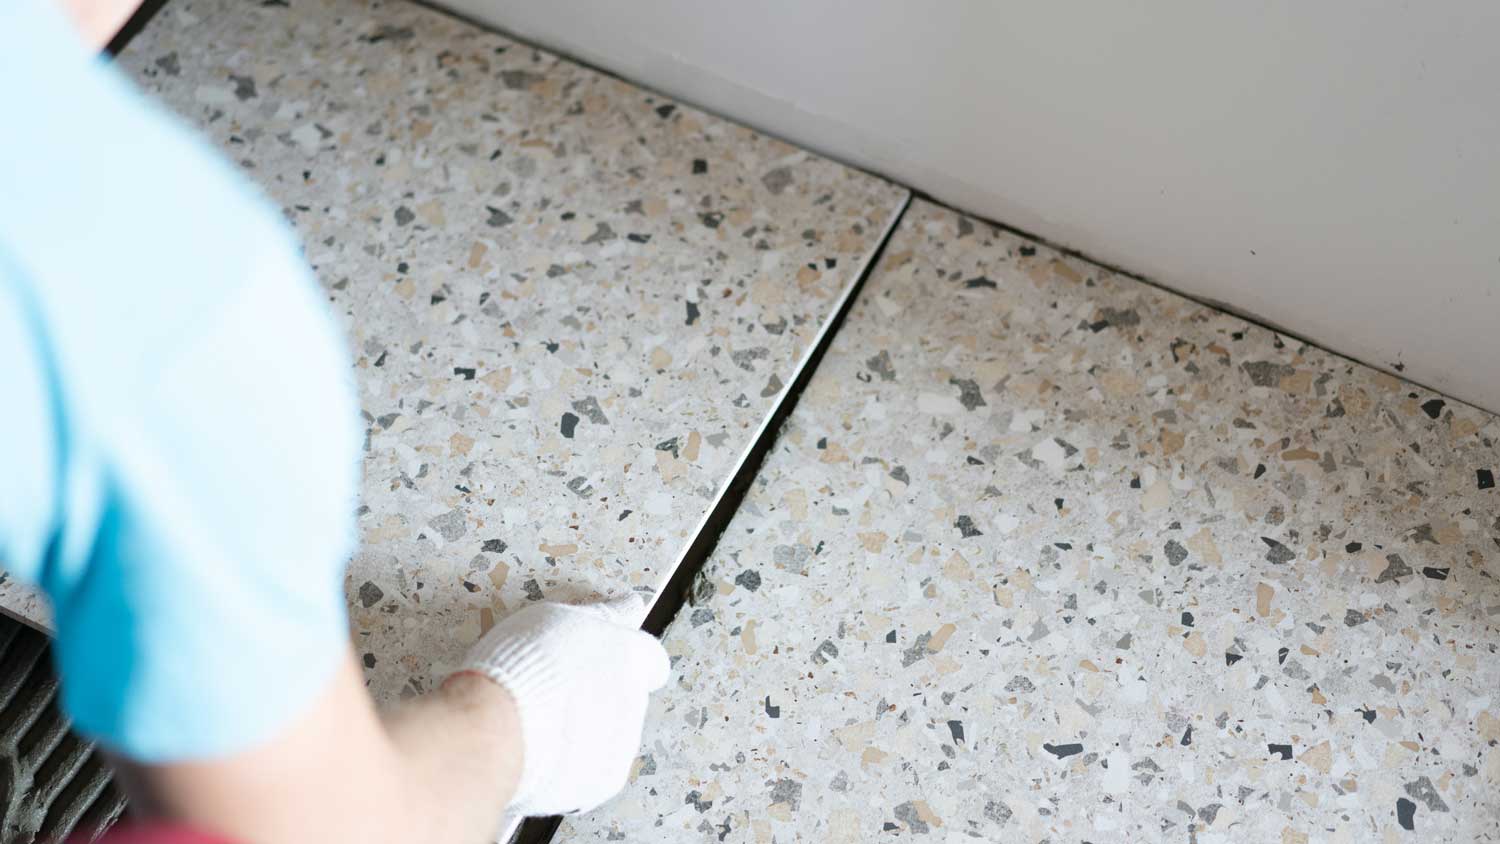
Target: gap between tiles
674,594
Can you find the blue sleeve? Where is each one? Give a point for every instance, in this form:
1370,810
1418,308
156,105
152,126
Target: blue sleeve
184,429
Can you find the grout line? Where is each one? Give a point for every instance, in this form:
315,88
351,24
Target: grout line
674,593
670,597
133,25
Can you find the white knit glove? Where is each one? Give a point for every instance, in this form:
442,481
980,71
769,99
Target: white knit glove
581,677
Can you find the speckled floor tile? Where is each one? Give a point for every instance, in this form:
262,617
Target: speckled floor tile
1047,554
571,303
24,602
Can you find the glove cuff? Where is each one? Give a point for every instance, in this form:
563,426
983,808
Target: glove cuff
525,670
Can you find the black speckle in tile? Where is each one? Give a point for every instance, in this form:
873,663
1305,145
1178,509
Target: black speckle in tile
1406,812
1282,750
1062,751
1433,407
956,730
569,422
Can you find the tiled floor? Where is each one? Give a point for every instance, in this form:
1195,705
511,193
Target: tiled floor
571,303
1046,554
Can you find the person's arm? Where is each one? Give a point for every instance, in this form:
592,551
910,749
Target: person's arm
440,770
544,718
189,413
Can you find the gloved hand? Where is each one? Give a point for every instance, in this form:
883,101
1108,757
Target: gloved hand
580,677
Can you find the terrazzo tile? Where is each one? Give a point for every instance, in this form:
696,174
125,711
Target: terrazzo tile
1048,554
24,603
571,303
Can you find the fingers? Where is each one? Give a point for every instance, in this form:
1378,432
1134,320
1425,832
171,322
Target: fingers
649,657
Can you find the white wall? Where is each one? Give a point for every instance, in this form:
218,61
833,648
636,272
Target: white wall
1332,167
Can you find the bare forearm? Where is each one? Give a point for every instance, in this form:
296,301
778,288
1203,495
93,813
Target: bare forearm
440,769
460,754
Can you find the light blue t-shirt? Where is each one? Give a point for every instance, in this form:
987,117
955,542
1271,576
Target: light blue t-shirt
178,434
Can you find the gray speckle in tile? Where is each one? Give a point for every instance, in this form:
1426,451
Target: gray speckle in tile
1131,652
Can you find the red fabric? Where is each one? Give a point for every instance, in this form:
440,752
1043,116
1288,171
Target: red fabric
159,834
